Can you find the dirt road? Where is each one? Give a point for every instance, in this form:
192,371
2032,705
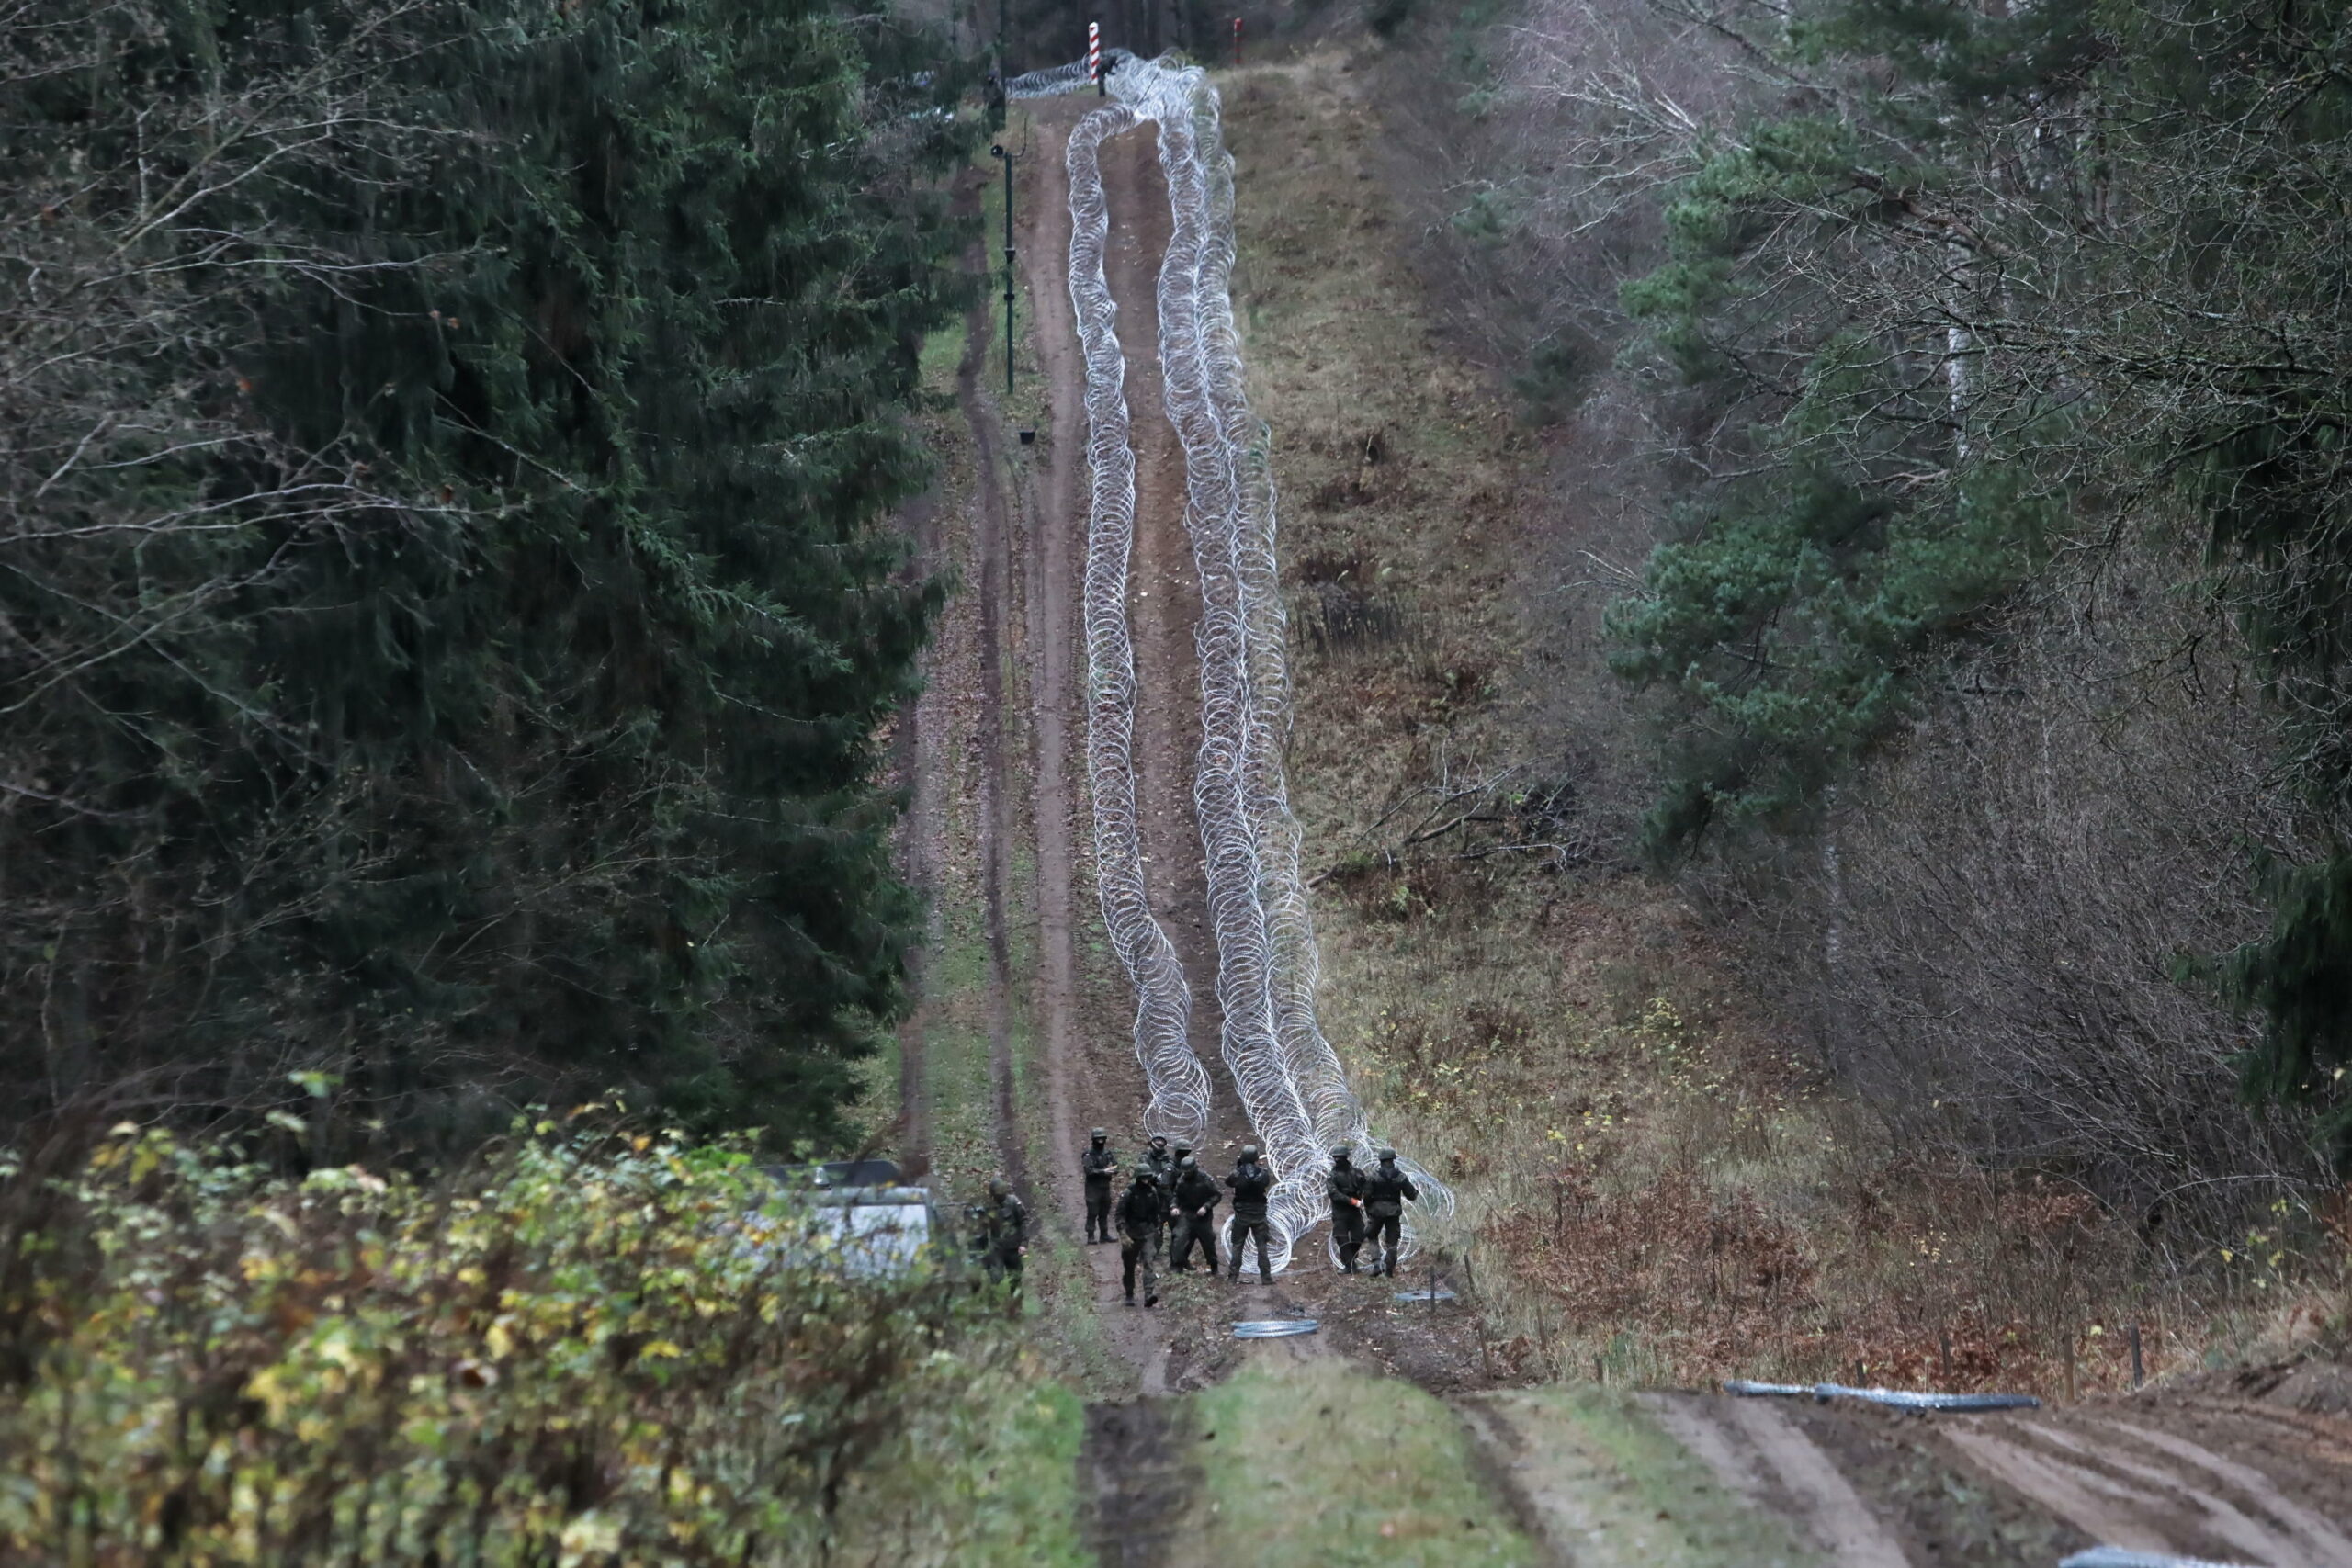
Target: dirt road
1596,1477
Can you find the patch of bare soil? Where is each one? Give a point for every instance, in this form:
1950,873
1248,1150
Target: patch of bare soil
1139,1478
1163,603
1091,1076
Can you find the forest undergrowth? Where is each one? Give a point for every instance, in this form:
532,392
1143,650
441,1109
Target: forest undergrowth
591,1342
1660,1181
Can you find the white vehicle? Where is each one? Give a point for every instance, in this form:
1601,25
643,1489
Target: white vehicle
876,1230
869,1225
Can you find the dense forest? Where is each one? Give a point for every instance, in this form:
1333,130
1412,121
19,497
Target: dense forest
1979,375
445,622
1818,539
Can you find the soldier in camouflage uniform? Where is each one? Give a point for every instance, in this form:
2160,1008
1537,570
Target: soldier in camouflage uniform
1168,1184
1346,1187
1162,1166
1161,1163
1099,1165
1250,1182
979,1256
1141,1213
1197,1196
1007,1228
1384,1204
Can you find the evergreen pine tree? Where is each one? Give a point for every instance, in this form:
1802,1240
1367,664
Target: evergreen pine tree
542,760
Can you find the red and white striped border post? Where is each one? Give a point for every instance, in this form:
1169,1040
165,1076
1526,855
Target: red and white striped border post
1236,40
1095,52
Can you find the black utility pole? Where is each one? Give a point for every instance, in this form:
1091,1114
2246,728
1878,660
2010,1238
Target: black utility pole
998,153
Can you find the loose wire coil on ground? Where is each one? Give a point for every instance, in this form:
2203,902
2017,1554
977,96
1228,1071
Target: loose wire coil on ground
1902,1399
1274,1327
2121,1557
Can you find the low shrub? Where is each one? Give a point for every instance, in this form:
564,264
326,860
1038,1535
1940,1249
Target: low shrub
586,1347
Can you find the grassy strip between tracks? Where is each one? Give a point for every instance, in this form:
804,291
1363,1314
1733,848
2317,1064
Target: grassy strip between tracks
1602,1470
1316,1463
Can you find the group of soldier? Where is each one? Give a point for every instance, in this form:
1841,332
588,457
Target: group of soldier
1170,1194
1169,1198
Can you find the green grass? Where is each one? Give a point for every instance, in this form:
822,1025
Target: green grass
1318,1465
1027,1510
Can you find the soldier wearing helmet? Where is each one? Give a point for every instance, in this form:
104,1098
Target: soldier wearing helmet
1346,1187
1098,1165
1007,1227
1141,1213
1250,1182
1387,1189
1197,1196
1174,1229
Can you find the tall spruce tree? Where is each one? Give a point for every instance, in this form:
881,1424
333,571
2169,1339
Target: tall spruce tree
511,733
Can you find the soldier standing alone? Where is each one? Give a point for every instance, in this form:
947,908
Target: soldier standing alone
1347,1187
1387,1189
1250,1182
1141,1213
1099,1164
1008,1232
1198,1195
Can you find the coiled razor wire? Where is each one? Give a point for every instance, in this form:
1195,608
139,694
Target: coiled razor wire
1294,968
1220,791
2121,1557
1902,1399
1274,1327
1176,1084
1293,1087
1057,80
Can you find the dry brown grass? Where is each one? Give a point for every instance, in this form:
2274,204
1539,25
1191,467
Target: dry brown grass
1654,1181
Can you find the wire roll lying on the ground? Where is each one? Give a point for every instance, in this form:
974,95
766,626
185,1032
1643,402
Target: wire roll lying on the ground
1274,1327
1902,1399
2122,1557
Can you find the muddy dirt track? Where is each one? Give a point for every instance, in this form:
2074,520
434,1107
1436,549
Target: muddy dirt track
2226,1478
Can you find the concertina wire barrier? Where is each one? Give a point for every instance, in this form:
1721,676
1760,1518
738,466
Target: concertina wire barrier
1292,1085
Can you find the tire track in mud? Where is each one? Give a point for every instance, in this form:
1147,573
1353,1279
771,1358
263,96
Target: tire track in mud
1135,1468
1763,1456
995,804
916,764
2123,1479
1139,1478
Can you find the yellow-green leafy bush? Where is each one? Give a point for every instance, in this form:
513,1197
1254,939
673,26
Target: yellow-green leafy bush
567,1353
